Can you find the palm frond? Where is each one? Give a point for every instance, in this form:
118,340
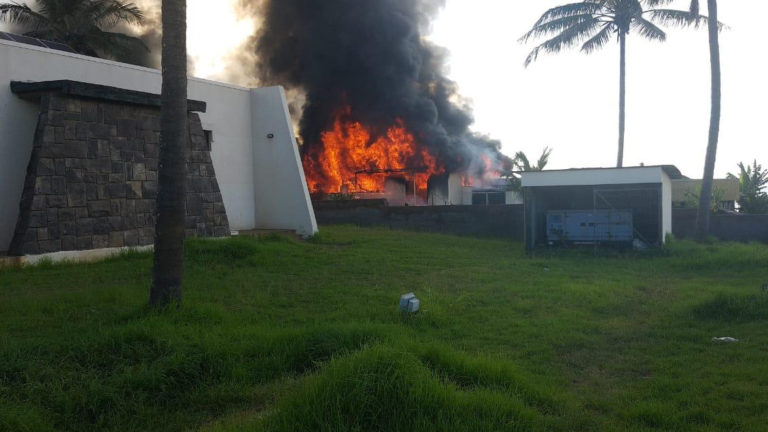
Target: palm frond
569,37
555,26
521,162
676,18
543,159
657,3
108,13
113,45
599,40
21,14
648,29
572,9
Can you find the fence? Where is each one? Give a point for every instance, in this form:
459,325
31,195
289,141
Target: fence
726,227
506,221
497,221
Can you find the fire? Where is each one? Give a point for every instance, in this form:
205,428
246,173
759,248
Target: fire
483,170
351,159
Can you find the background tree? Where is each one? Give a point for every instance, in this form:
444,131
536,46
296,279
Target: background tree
168,270
593,23
81,24
702,215
752,182
692,199
521,163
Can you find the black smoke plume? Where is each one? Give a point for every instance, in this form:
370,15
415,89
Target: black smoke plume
372,56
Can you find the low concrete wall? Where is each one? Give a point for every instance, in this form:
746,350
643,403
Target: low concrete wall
502,221
507,221
726,227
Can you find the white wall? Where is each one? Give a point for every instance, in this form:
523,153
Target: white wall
666,205
513,197
229,116
282,198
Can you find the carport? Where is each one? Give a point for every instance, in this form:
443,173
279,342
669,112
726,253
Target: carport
598,205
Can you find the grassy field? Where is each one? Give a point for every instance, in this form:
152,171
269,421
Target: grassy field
280,335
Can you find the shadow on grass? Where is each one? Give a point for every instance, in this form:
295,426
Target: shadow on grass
735,308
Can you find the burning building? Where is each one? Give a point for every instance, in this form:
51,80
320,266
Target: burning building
377,116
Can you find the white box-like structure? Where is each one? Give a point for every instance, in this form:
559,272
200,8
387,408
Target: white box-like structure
254,149
645,190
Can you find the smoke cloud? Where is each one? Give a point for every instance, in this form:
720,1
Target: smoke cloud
150,32
370,55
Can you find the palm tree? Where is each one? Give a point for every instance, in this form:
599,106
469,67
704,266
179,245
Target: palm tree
752,182
702,215
81,24
521,163
168,268
592,23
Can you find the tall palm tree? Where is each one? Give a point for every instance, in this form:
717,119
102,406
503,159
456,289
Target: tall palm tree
168,268
81,24
592,23
702,215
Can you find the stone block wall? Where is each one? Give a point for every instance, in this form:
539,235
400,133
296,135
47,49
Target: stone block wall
92,179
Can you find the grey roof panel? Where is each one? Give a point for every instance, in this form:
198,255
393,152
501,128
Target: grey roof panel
36,42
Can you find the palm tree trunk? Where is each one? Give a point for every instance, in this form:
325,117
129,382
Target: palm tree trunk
622,95
702,217
169,230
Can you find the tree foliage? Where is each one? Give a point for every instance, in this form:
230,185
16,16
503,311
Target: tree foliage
82,24
592,23
521,163
692,199
753,180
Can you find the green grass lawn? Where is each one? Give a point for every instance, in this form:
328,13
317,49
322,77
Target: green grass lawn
280,335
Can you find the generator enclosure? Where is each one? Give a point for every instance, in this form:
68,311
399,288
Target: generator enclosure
589,226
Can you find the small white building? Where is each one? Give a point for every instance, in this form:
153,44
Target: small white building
599,205
253,149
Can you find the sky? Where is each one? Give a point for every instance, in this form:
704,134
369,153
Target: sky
569,101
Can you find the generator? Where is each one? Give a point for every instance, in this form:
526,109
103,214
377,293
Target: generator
589,226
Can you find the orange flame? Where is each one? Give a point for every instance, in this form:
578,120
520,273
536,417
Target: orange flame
351,159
